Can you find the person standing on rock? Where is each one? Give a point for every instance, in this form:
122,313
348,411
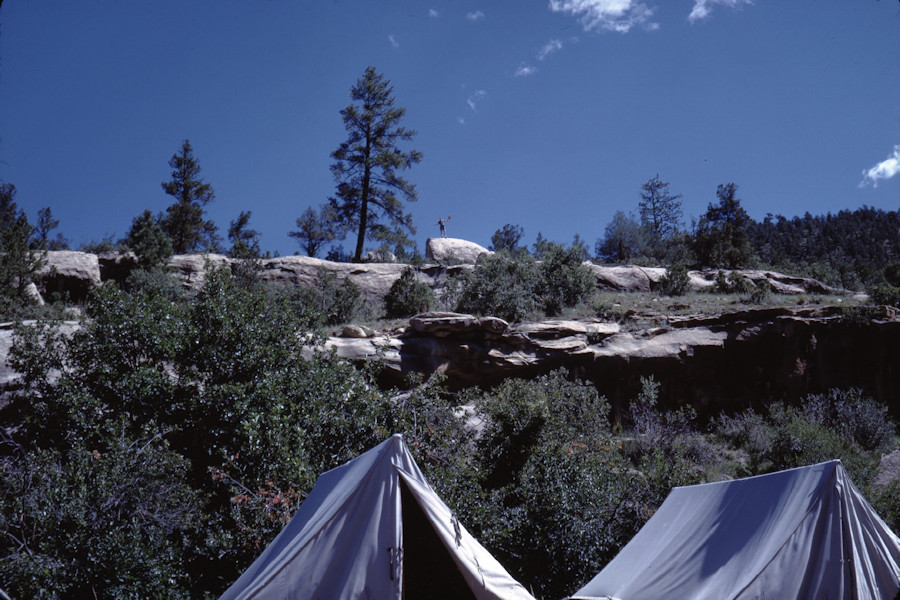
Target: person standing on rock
442,223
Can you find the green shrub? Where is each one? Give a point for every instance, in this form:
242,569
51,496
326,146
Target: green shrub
884,293
408,296
840,425
112,519
669,432
547,468
760,292
564,281
676,281
857,418
500,285
247,424
732,283
335,300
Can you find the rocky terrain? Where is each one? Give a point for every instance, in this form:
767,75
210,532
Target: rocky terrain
712,361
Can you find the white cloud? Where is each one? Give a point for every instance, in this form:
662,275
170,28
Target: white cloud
525,70
886,169
611,15
393,41
460,120
549,48
474,97
433,13
702,8
475,16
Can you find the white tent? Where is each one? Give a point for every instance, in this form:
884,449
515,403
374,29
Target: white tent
800,533
374,529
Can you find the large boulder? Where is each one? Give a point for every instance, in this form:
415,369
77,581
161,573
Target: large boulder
374,280
68,274
453,251
627,278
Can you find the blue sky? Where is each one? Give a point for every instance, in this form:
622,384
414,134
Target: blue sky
548,114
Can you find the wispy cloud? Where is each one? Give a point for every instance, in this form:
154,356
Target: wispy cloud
474,98
886,169
525,70
549,48
475,16
433,13
460,120
703,8
609,15
393,41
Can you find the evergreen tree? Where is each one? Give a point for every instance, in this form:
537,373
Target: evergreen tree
660,213
184,220
660,210
21,252
370,193
315,229
622,239
244,241
148,241
721,239
508,238
47,223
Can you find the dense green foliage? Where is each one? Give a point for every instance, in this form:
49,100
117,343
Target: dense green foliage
408,296
848,249
501,285
370,191
333,299
508,238
676,281
148,241
192,425
516,286
162,444
721,238
564,281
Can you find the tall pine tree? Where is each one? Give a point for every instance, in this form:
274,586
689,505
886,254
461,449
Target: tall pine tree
370,192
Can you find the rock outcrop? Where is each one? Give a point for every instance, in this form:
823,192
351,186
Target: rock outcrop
373,279
453,251
68,274
728,362
74,274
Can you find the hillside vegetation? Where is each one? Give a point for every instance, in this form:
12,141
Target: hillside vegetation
159,448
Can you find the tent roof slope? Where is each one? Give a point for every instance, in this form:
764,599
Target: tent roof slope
345,541
801,533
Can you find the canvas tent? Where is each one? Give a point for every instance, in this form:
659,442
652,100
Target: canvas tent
374,529
800,533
